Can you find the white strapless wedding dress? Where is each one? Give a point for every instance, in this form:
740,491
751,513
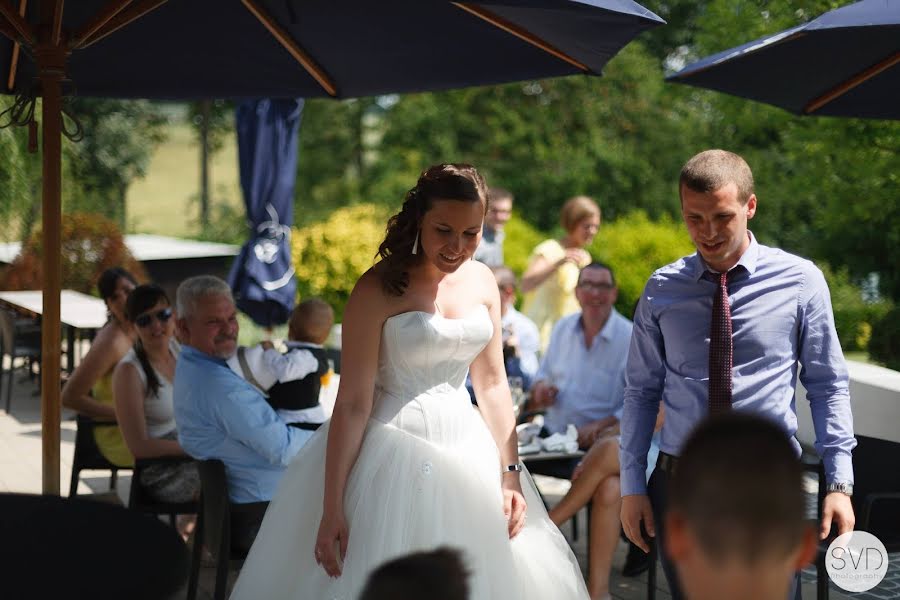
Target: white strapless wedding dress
427,475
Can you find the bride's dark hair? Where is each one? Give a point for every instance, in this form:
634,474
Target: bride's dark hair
440,182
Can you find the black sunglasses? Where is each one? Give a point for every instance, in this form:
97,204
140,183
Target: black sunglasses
147,318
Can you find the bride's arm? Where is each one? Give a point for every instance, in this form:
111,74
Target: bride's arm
361,331
495,403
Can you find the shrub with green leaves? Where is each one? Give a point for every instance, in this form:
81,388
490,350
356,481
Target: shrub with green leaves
634,246
521,238
854,318
884,346
329,256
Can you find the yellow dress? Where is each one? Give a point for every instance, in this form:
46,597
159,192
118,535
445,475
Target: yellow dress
109,437
555,296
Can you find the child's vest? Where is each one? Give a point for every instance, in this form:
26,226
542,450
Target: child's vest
303,393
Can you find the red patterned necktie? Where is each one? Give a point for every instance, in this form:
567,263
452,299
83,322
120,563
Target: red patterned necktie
721,350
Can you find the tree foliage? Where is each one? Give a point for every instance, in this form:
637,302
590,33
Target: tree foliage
119,138
634,246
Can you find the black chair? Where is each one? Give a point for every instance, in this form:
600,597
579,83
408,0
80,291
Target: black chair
822,578
19,338
140,500
214,527
890,538
87,455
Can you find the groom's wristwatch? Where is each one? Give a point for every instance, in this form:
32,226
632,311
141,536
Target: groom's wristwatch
516,468
844,488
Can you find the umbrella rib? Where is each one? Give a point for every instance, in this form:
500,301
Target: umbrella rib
121,19
56,22
19,24
99,20
300,55
848,85
521,33
14,59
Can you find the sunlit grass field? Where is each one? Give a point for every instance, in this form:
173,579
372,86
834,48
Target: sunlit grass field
166,201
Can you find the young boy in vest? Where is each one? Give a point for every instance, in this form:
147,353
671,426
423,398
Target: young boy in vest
292,380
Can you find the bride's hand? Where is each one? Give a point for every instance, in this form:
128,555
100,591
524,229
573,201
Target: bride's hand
333,534
513,503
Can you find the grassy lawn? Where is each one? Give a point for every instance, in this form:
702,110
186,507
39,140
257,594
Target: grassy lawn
166,201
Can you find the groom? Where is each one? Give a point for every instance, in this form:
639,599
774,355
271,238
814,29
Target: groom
219,415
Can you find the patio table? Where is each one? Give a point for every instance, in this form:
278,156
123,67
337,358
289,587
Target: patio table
78,312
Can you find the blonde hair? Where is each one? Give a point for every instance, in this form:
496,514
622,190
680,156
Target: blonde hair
577,209
713,169
311,321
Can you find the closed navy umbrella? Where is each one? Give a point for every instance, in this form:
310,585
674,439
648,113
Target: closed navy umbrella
845,63
262,276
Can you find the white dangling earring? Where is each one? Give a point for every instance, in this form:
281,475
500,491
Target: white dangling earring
415,249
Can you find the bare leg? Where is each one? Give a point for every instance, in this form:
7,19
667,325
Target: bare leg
604,535
601,461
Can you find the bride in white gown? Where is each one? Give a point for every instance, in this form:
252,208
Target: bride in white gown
406,462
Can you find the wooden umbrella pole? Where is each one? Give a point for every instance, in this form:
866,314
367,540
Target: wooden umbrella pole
51,59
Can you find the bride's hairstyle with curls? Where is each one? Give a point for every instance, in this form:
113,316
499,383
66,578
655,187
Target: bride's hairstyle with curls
440,182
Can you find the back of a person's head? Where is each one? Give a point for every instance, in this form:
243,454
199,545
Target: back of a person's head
311,321
738,486
436,575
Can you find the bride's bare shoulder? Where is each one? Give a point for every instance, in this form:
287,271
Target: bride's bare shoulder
368,294
478,273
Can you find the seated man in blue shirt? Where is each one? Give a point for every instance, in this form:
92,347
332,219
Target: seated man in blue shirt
581,380
219,414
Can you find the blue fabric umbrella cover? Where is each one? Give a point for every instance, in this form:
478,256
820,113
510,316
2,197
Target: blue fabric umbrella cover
262,276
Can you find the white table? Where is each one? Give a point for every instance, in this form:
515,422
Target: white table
77,311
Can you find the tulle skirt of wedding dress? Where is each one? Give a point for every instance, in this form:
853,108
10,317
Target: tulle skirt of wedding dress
427,475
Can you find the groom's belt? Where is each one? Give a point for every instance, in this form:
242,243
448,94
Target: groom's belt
666,463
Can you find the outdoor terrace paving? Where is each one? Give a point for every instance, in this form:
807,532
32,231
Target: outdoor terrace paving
20,471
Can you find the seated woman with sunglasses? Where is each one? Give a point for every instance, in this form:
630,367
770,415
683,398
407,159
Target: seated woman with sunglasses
142,387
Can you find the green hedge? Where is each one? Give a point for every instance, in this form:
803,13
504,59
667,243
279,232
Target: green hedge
521,238
634,246
329,256
884,345
854,318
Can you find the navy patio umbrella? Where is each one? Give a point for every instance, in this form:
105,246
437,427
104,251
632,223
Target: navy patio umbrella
189,49
844,63
262,276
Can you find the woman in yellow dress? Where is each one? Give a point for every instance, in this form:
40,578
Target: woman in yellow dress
552,273
89,389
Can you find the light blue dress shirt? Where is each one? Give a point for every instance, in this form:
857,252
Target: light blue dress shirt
529,345
782,322
490,248
220,415
591,380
